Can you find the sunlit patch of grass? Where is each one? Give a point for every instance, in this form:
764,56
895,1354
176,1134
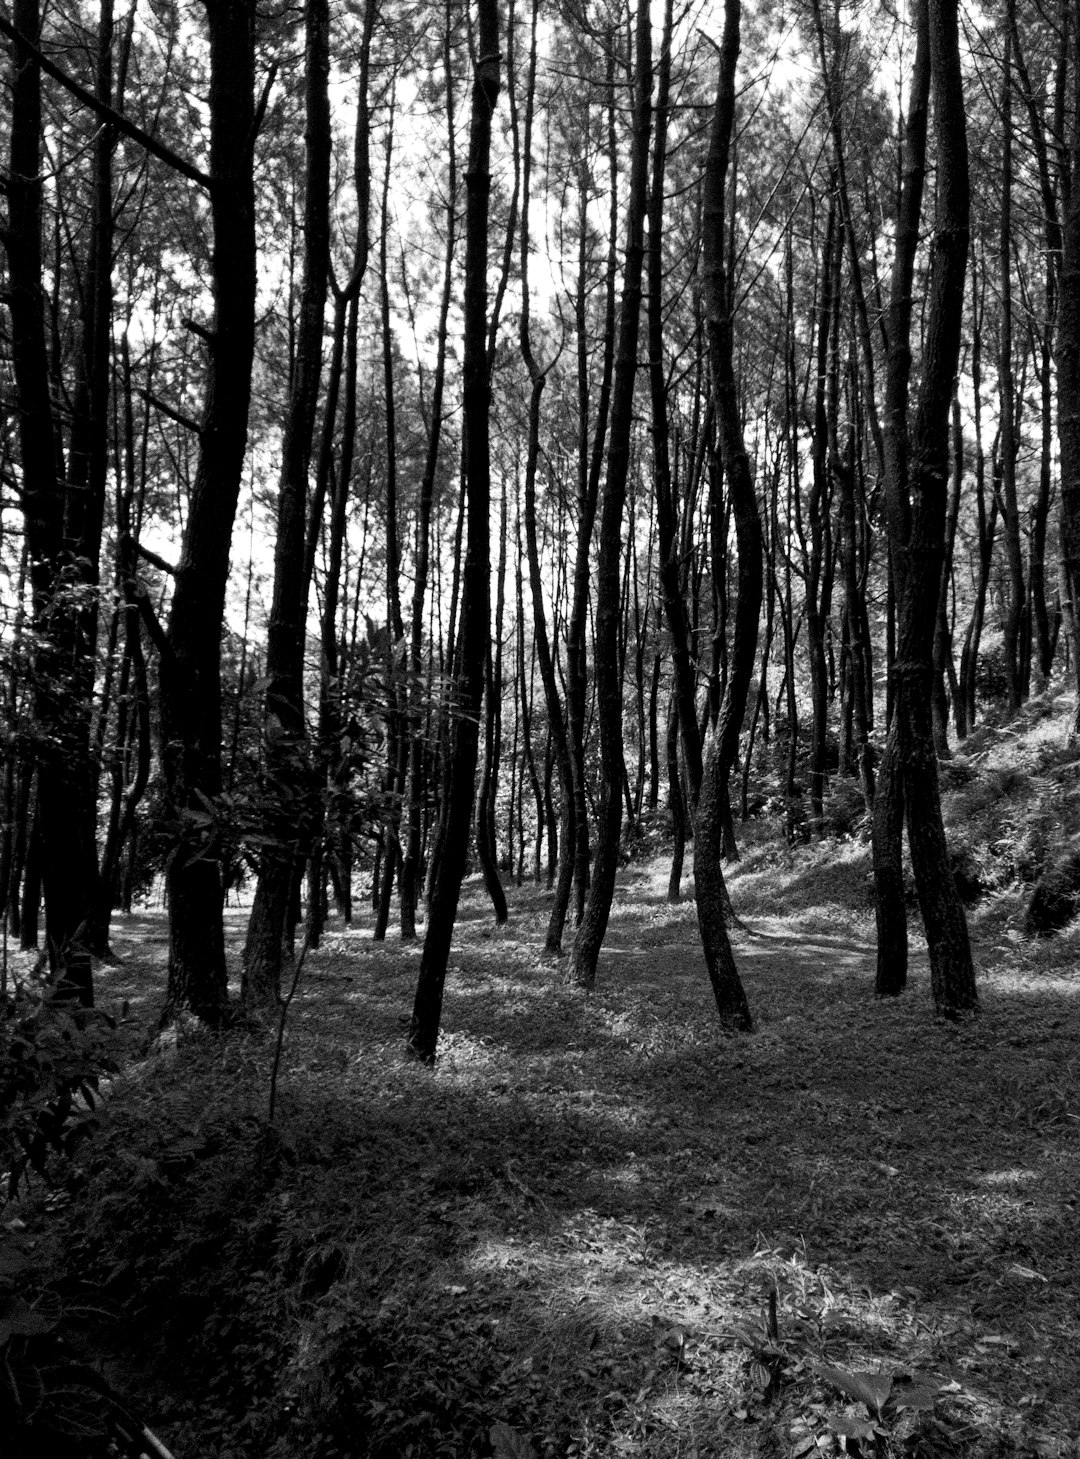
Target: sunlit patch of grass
830,881
518,1232
1016,1176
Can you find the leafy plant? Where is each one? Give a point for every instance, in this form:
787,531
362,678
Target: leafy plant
884,1396
52,1057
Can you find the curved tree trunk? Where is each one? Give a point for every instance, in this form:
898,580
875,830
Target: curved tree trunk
683,712
714,803
590,934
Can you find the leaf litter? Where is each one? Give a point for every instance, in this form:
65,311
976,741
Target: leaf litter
598,1227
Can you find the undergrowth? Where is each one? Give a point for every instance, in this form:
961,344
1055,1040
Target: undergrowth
599,1227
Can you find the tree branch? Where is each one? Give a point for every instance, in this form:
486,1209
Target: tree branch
121,123
154,559
173,414
152,621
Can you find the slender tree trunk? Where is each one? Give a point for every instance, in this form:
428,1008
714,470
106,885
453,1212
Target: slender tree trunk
288,776
590,933
943,648
1010,511
714,802
986,518
916,495
475,631
415,794
590,468
557,724
1067,356
486,847
684,670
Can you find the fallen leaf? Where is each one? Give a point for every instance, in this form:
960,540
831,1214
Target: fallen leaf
507,1443
916,1396
850,1426
1028,1273
873,1389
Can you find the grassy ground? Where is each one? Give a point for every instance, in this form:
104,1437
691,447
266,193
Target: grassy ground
598,1226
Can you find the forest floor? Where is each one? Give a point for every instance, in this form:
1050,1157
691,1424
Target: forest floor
598,1226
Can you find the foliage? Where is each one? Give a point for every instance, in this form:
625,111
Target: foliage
52,1057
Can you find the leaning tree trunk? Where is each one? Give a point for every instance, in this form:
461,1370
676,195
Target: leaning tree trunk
475,625
723,743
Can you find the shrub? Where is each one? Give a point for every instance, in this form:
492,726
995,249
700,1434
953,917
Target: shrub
52,1056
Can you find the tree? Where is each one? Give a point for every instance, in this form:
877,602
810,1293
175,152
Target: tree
590,933
475,614
62,507
916,487
1067,356
714,804
288,772
190,673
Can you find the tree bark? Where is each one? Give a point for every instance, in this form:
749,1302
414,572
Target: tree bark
714,802
288,782
590,934
475,628
63,661
916,493
416,785
190,683
1067,357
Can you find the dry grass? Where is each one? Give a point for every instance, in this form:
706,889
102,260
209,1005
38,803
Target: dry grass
573,1224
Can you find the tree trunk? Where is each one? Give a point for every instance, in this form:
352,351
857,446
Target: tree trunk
288,779
190,689
714,803
590,467
416,785
475,628
1010,512
486,848
1067,355
916,494
63,552
590,934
